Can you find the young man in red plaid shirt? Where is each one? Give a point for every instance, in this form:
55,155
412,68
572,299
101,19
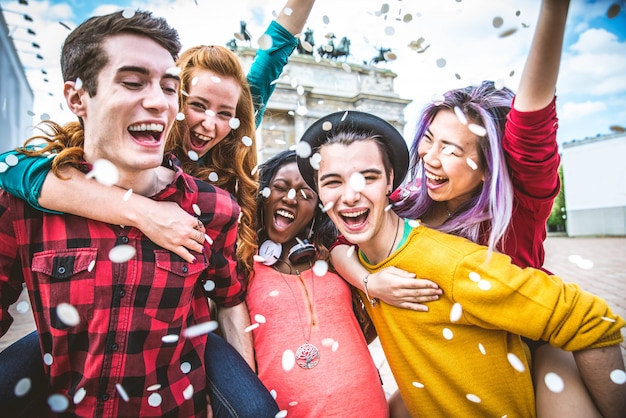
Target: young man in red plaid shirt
116,313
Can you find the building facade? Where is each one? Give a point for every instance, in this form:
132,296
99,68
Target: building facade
594,177
16,95
311,87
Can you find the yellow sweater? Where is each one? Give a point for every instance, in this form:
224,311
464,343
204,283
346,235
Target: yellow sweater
467,360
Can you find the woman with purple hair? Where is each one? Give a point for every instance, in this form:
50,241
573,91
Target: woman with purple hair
485,167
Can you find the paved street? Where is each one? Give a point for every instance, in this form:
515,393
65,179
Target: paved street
598,265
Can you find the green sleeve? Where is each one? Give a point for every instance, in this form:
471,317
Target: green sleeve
268,65
23,176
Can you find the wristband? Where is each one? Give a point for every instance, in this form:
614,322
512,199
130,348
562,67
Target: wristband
372,301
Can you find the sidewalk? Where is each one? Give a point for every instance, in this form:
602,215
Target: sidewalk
598,265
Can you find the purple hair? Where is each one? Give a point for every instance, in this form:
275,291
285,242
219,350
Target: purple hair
485,217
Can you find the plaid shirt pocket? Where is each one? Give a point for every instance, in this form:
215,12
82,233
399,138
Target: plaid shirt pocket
66,277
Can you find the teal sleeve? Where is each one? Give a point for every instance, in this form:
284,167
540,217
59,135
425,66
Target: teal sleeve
24,179
268,65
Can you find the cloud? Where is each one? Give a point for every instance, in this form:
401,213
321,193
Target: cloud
574,111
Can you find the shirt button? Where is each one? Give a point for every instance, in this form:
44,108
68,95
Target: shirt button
114,347
124,240
121,293
105,397
61,270
185,269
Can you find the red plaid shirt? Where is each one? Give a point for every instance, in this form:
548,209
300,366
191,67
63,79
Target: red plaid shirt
114,362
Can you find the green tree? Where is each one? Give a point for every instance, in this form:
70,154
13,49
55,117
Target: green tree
557,220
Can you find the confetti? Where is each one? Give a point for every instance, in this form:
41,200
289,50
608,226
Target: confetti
11,160
475,277
482,350
484,285
613,10
58,402
104,172
68,314
289,360
274,293
260,318
128,13
357,182
180,116
441,62
79,396
438,99
554,382
315,160
472,398
79,83
265,42
328,342
291,194
169,339
251,327
460,115
200,329
247,141
350,251
618,376
213,176
22,307
471,163
508,32
154,400
456,312
320,268
418,385
193,156
516,362
122,392
497,22
188,392
477,129
22,387
414,223
388,207
234,123
127,195
448,334
48,359
328,206
122,253
266,192
335,346
281,414
185,367
209,285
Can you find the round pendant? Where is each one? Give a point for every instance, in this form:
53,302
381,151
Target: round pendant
307,356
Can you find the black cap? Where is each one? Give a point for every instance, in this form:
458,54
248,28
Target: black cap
354,121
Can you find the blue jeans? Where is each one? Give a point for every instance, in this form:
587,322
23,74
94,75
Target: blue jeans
234,389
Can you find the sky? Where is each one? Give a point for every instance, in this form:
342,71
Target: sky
465,45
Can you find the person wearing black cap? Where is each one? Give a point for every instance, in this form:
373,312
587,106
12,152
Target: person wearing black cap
465,356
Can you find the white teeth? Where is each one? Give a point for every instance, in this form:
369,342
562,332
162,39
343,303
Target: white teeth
153,127
285,214
204,137
354,214
434,177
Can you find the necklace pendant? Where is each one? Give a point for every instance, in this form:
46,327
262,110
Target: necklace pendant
307,356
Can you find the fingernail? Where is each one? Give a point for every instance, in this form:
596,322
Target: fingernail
193,260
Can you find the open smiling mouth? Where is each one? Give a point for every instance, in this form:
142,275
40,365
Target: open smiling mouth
437,180
283,219
355,218
199,140
147,132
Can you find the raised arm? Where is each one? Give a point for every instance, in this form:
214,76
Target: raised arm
165,223
269,63
391,285
538,80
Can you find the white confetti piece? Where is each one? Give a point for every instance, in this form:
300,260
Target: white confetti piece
196,209
247,141
281,414
68,314
335,346
79,83
266,192
22,387
585,264
104,172
209,285
79,396
200,329
477,129
128,13
357,182
604,318
169,338
48,359
484,284
482,350
265,42
303,149
122,392
320,268
251,327
418,385
291,194
274,293
516,362
618,376
154,387
293,403
456,312
287,11
351,250
127,195
258,259
328,206
234,123
22,307
414,223
554,382
327,126
472,398
438,99
315,161
185,367
213,176
441,62
193,156
180,116
58,402
289,360
460,115
448,334
273,393
260,319
11,160
154,400
475,277
471,163
188,392
388,207
328,342
121,253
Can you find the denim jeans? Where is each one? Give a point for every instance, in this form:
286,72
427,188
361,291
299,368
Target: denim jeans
234,389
